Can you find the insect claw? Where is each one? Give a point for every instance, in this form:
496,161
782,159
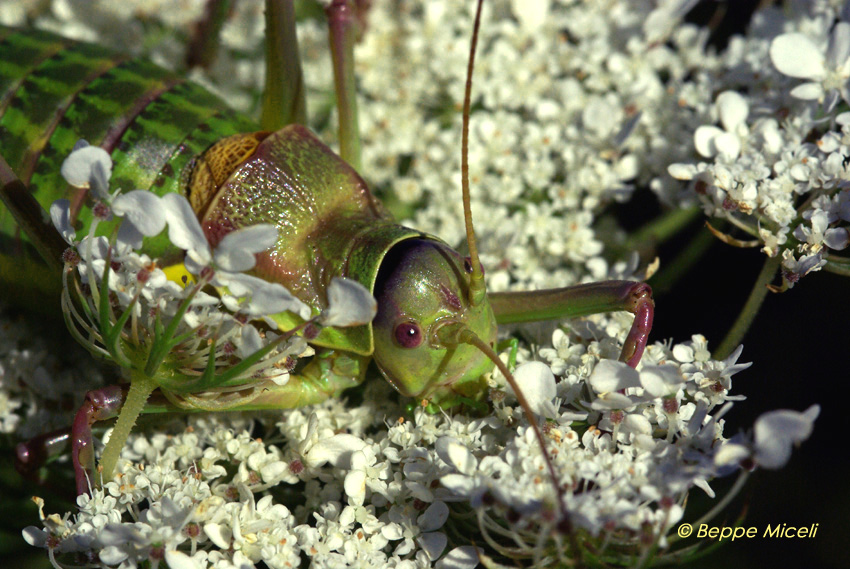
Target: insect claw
643,307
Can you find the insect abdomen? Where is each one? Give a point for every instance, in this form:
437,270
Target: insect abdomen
54,91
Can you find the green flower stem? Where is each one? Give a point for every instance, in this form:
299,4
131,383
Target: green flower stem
672,271
842,269
751,307
663,227
141,386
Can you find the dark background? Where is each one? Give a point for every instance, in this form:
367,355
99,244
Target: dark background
799,345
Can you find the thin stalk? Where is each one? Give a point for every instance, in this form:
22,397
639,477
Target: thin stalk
663,227
141,386
284,99
342,35
206,38
842,269
477,290
751,307
727,498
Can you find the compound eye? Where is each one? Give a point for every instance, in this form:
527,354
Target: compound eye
408,335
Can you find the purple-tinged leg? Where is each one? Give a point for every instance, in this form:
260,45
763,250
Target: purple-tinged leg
583,300
31,455
643,307
100,404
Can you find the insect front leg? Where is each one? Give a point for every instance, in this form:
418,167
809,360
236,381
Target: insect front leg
99,405
584,300
328,374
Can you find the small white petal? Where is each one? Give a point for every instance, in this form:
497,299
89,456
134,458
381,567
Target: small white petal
219,535
637,424
704,139
683,353
612,400
129,237
433,517
728,145
265,298
60,214
839,45
458,484
808,92
843,118
464,557
611,375
837,238
532,14
35,536
143,209
355,486
349,304
733,109
77,167
392,532
777,431
796,56
433,543
99,181
111,555
457,455
537,383
682,171
335,450
183,228
730,454
662,380
179,560
274,471
236,250
251,341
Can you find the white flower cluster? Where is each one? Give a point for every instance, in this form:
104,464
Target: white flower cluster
774,148
361,486
575,104
159,317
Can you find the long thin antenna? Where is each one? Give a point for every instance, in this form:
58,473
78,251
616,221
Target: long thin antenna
477,290
460,333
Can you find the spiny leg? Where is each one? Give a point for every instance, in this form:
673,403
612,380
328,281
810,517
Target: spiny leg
583,300
342,25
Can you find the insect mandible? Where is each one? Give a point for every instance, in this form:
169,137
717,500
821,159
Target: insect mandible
434,334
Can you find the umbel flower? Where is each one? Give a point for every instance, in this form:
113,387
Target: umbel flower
201,351
577,105
629,443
